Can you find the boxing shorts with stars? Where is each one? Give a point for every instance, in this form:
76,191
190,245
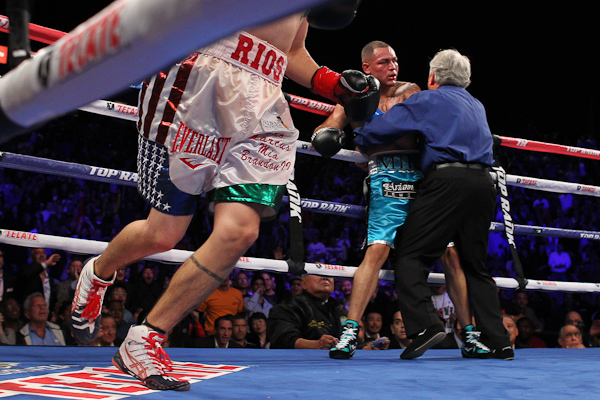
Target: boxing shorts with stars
217,123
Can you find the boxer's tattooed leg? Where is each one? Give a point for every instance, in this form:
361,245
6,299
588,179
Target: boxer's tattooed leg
206,270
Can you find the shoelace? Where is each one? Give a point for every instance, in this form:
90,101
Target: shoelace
348,335
94,300
158,356
473,338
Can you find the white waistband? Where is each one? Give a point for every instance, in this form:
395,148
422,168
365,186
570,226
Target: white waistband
252,54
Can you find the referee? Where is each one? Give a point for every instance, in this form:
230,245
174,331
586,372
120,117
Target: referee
455,202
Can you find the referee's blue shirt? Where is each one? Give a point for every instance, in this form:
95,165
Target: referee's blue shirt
451,123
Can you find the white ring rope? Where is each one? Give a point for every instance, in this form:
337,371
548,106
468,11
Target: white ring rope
127,112
108,175
122,44
82,246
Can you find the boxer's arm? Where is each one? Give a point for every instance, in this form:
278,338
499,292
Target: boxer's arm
301,66
337,119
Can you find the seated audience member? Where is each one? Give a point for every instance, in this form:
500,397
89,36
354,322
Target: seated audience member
346,289
34,277
121,280
11,311
8,283
7,335
369,345
258,331
594,332
310,320
399,339
223,301
146,292
108,332
65,290
511,327
115,309
240,331
296,286
270,294
39,331
569,337
241,283
257,302
373,325
118,291
526,337
222,337
520,308
62,319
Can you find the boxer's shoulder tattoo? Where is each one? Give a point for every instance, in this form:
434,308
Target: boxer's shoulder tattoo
205,270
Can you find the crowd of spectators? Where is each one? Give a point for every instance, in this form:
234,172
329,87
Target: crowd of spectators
70,207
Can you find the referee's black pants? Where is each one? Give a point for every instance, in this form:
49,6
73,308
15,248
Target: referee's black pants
452,204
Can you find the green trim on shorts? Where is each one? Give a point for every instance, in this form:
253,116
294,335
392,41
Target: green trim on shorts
260,193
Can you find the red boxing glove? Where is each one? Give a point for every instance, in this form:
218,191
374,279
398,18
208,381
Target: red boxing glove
339,87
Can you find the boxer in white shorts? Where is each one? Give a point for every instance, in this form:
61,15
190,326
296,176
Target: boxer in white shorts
217,122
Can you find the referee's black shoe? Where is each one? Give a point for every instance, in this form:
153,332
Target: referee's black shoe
424,341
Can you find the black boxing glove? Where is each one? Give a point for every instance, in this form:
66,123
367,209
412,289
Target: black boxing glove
339,87
328,141
334,16
362,107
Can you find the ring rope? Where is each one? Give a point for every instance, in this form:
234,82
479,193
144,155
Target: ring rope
48,35
83,246
108,175
132,39
36,32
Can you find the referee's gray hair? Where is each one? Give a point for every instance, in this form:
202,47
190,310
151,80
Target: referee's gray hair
449,67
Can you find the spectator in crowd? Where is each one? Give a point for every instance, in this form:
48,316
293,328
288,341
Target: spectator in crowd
147,292
444,307
7,335
316,250
62,320
519,308
240,331
257,302
121,279
594,332
108,332
270,293
7,281
66,289
296,286
223,301
186,331
569,337
241,283
511,327
222,336
527,337
346,289
310,320
34,277
11,310
118,292
115,310
38,331
373,325
399,340
258,331
559,262
373,322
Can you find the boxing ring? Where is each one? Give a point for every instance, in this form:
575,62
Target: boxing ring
87,373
